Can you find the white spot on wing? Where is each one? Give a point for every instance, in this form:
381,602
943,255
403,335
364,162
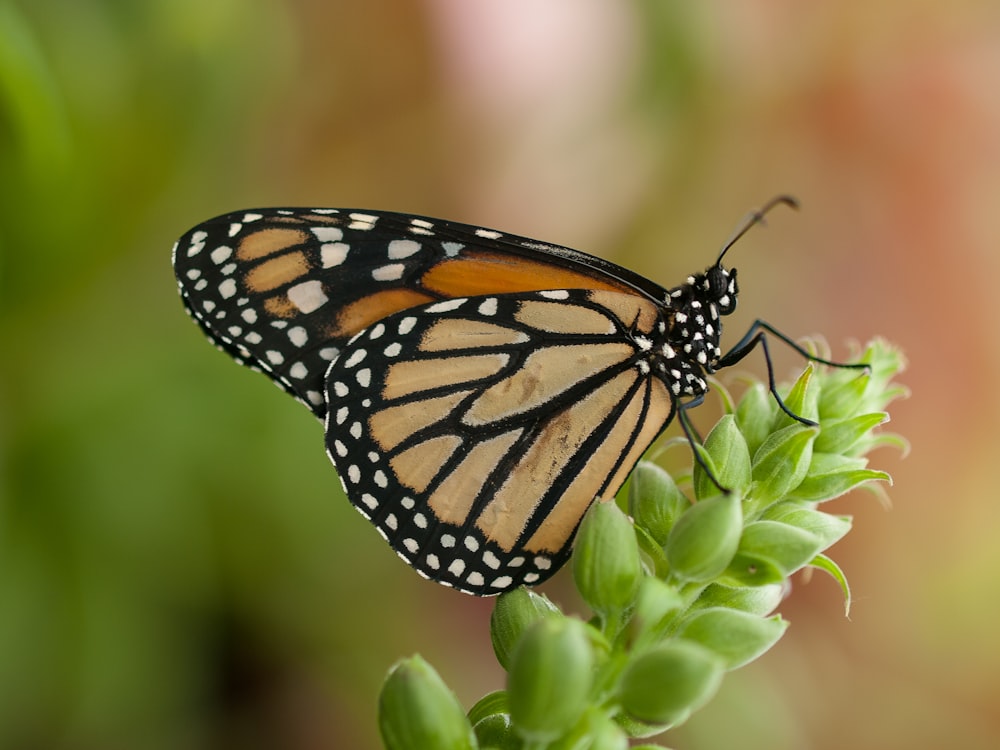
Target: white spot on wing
399,249
362,221
308,296
333,253
221,254
391,272
446,306
328,234
356,357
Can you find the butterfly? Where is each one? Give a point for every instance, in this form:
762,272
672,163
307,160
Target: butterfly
479,390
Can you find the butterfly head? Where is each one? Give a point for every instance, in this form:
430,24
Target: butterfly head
721,288
697,307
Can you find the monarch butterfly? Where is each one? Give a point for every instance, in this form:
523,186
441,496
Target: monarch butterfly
478,389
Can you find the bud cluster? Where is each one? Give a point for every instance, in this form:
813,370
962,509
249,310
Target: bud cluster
683,589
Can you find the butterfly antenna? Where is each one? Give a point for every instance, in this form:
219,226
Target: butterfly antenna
754,218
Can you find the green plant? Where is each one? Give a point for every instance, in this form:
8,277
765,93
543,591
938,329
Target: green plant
682,591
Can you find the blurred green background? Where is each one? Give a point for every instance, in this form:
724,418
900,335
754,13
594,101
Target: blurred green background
178,568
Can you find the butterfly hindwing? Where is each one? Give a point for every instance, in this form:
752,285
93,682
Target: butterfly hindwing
475,432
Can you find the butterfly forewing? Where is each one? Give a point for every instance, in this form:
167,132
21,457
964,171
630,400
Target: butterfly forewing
475,432
283,290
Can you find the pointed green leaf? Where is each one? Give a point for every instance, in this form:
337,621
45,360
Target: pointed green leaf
828,528
781,462
825,563
840,435
730,458
789,547
736,637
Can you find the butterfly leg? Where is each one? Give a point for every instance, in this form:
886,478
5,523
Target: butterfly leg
694,439
757,334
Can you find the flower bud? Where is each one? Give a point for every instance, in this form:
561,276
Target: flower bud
801,400
730,456
781,463
755,415
705,538
656,600
514,612
604,734
495,732
789,547
417,710
757,600
606,564
666,683
654,500
736,637
549,678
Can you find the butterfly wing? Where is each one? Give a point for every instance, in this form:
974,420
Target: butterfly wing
475,432
283,290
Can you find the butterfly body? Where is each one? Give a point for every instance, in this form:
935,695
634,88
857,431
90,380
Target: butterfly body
478,390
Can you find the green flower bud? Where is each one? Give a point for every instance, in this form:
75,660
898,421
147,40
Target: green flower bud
843,392
656,601
781,463
606,564
705,538
654,500
638,729
884,362
417,711
605,735
757,600
755,415
549,679
514,612
801,400
666,683
736,637
752,570
789,547
730,457
496,732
